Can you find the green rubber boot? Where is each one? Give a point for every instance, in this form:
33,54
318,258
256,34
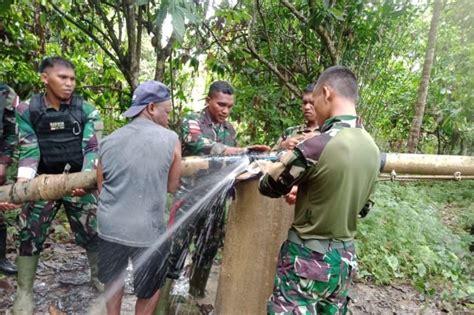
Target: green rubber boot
24,303
93,257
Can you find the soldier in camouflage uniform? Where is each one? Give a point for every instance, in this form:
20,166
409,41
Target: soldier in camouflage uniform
8,140
335,173
205,133
58,132
291,136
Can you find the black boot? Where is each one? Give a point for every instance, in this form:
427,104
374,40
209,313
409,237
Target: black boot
6,266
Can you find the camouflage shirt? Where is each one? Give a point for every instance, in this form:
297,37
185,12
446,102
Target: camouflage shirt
299,131
335,173
8,140
29,147
201,136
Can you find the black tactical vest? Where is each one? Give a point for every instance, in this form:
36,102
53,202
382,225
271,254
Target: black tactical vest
59,134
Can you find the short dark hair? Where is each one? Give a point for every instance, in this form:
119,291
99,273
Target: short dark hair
54,61
220,86
342,80
309,88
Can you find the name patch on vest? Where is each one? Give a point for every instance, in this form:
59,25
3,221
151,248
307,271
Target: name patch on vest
59,125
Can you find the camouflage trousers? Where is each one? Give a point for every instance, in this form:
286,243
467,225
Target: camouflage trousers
207,229
308,282
36,217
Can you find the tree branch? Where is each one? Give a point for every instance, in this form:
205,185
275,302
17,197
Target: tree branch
295,11
321,31
114,41
218,42
139,32
133,52
264,61
88,33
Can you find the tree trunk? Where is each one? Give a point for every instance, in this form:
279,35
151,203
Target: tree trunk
414,136
47,187
161,55
38,28
134,42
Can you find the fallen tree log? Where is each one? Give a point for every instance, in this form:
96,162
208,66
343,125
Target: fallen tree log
47,187
427,164
52,187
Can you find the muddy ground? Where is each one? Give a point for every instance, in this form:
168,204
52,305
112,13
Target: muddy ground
62,287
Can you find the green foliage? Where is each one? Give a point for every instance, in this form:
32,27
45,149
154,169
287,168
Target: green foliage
24,45
369,37
382,41
418,232
448,125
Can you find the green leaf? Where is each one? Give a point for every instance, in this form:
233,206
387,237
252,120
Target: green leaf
194,63
179,28
188,14
43,19
392,262
5,6
421,269
338,14
317,18
162,12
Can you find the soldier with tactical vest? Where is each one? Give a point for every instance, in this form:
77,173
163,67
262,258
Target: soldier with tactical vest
206,133
58,132
291,136
335,173
8,141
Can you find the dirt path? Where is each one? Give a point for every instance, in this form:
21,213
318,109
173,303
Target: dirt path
62,287
367,298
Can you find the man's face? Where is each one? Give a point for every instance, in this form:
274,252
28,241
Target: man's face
220,106
60,81
160,113
321,105
308,108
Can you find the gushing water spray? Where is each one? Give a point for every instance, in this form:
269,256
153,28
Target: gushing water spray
209,188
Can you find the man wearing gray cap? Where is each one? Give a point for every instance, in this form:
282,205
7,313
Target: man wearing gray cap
138,164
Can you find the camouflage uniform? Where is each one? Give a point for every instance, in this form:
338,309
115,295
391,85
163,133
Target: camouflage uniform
316,278
308,282
300,132
8,100
8,139
200,136
36,217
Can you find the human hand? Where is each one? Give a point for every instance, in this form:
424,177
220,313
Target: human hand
4,206
258,148
78,192
291,197
289,144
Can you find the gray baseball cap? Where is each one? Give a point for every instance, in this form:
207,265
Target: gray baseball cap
146,93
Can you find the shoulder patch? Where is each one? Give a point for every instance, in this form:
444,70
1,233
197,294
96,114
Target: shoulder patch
312,148
194,127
